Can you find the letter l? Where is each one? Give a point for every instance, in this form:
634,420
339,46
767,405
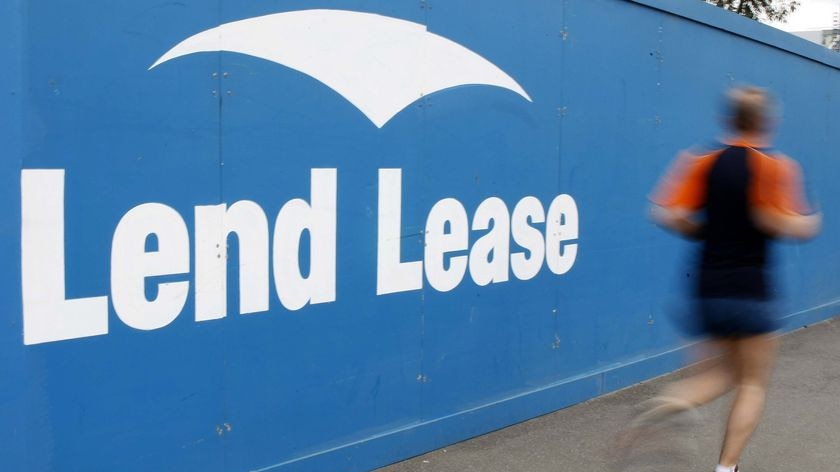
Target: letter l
47,315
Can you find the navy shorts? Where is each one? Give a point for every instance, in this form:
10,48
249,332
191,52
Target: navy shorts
734,317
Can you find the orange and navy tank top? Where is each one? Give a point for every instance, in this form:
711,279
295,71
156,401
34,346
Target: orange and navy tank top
723,186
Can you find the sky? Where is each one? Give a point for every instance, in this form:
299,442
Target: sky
811,14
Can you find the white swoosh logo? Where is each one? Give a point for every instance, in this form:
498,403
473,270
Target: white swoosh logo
378,63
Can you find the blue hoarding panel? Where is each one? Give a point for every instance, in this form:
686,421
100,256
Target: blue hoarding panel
329,236
12,366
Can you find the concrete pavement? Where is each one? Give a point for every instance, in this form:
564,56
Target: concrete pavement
800,430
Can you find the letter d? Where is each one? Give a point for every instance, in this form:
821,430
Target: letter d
319,218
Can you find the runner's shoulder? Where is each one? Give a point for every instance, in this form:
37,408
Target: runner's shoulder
705,149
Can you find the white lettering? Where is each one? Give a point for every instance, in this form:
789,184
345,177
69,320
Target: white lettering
47,315
319,219
213,226
562,226
489,256
528,237
439,241
152,240
392,275
131,264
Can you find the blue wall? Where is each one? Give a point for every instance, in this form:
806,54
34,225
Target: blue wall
617,87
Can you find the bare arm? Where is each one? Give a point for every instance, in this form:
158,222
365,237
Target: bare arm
785,214
678,220
785,225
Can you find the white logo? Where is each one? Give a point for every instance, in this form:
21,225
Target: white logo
379,64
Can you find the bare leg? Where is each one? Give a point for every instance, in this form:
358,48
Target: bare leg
708,385
713,381
753,360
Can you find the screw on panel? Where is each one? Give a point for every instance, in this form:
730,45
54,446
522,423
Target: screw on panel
422,378
660,58
214,75
561,112
226,74
424,5
556,343
229,92
54,87
215,93
657,120
564,34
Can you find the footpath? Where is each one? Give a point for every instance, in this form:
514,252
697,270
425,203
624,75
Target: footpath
800,430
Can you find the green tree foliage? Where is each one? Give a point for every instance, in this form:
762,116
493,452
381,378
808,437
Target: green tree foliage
772,10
